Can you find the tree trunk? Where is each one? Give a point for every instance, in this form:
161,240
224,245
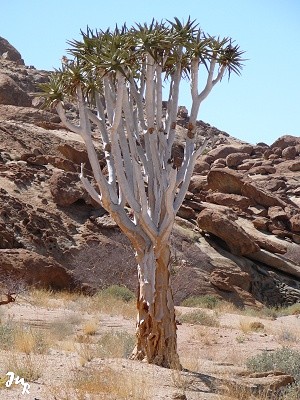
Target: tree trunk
156,326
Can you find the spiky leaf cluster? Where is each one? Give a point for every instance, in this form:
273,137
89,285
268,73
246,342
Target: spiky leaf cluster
171,44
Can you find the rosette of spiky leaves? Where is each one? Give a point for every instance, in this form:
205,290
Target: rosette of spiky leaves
154,39
225,54
52,91
231,56
63,82
171,44
104,52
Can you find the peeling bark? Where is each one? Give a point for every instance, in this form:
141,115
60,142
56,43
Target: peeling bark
156,326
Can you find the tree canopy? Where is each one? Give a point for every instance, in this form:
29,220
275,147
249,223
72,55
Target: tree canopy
125,50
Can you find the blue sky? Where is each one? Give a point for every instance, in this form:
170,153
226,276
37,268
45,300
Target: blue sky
261,105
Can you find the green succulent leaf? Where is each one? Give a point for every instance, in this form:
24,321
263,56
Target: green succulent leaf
170,44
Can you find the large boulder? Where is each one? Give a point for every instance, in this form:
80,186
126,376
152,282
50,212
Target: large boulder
285,141
289,153
261,196
11,93
294,166
224,150
295,223
8,52
227,280
262,170
224,227
197,184
229,200
76,154
235,159
34,269
66,189
225,181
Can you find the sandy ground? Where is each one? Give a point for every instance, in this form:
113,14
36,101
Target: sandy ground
208,354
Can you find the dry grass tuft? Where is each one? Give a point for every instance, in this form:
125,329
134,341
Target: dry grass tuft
86,352
104,384
64,328
115,344
28,340
247,326
90,327
27,366
40,297
235,391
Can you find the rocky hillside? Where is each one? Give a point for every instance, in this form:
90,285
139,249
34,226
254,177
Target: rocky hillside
237,235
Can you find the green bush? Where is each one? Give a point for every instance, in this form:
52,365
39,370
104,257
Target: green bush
118,292
206,301
285,360
199,317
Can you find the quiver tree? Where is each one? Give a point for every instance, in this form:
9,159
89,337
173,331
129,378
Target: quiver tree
117,78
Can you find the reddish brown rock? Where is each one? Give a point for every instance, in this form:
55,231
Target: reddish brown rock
198,183
274,157
295,166
277,225
262,170
219,163
225,228
277,212
258,211
229,200
295,223
35,269
289,152
235,159
227,280
201,166
8,52
264,243
262,382
286,141
274,184
268,153
64,188
11,93
224,150
225,181
57,162
259,149
277,151
77,155
245,166
186,212
208,159
260,196
261,223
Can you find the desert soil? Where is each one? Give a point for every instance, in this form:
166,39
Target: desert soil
208,354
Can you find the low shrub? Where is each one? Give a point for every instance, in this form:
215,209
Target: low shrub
285,360
207,301
118,292
199,317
